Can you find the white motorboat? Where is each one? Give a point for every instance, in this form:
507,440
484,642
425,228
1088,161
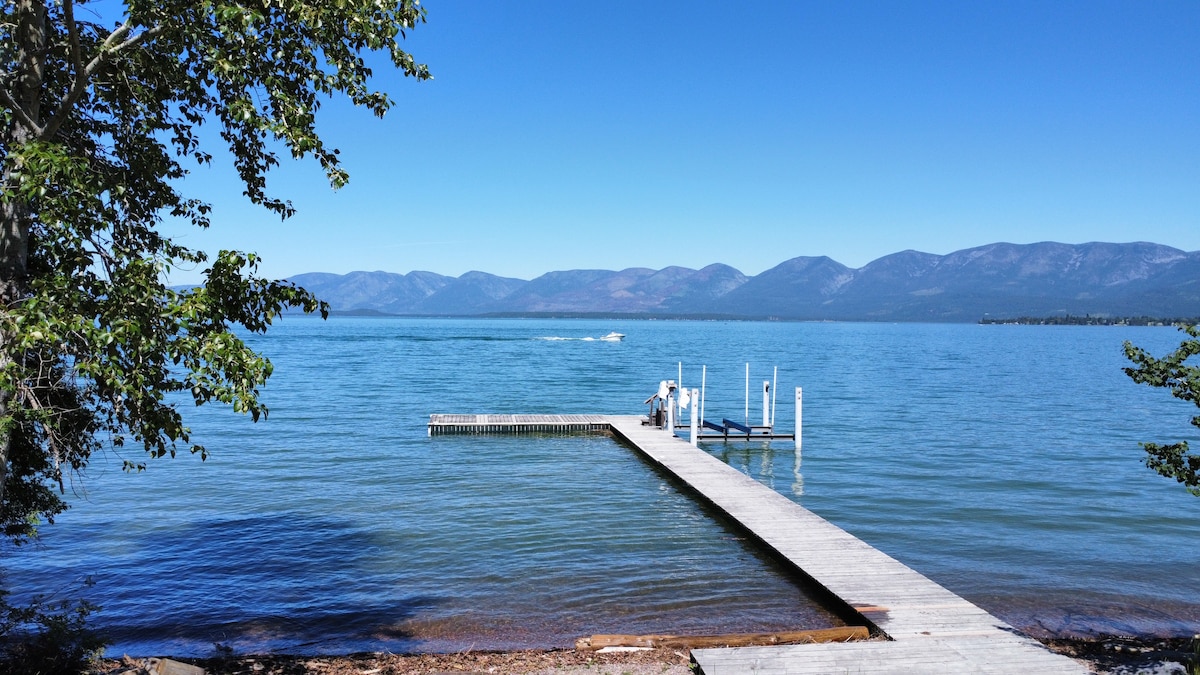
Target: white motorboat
613,337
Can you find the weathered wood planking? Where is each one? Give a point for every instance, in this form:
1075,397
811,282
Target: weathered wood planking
924,627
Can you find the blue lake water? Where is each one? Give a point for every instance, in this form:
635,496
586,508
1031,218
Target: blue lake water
1001,461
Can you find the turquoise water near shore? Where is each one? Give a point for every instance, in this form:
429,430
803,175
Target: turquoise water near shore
1001,461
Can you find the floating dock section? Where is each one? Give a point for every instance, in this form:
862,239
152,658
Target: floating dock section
516,424
921,626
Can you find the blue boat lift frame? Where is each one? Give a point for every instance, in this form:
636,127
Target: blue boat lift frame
730,430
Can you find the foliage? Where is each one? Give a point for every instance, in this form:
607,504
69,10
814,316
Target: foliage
98,122
47,636
1173,372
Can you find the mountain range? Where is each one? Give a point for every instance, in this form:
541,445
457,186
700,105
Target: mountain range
997,281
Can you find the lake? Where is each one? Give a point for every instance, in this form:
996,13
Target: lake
1000,461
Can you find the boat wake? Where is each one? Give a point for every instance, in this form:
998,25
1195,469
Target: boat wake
611,337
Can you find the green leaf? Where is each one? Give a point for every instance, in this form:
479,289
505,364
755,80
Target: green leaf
1183,380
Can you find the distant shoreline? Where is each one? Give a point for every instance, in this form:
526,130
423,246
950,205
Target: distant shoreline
1067,320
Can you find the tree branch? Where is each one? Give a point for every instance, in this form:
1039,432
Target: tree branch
22,116
113,44
73,34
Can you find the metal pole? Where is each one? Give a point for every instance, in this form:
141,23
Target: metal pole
695,400
663,392
766,403
703,382
799,414
679,383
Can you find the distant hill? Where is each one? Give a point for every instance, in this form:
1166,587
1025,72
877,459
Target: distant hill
997,281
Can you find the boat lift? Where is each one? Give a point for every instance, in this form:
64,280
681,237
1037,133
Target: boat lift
669,402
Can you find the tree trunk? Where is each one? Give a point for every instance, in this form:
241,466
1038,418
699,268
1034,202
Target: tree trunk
15,214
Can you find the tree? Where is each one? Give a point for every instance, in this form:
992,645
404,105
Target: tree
1172,371
98,122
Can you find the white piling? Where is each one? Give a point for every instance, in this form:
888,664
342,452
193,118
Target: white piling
695,404
671,414
766,403
703,383
799,415
797,476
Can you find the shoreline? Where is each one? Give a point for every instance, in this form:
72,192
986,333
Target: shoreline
1102,654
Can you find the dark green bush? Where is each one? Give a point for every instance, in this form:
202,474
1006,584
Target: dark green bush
47,637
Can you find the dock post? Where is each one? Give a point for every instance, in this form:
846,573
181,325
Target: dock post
693,417
671,413
799,415
679,387
766,403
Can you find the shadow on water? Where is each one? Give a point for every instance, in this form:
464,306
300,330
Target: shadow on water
282,583
1056,615
309,631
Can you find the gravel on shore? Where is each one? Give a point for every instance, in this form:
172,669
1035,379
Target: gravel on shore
528,662
1114,655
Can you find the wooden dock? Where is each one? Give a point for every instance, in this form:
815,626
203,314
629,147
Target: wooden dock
921,626
515,424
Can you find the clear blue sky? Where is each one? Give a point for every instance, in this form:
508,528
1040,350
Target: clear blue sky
568,135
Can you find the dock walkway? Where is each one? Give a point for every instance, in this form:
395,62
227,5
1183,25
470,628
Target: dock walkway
924,628
515,424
